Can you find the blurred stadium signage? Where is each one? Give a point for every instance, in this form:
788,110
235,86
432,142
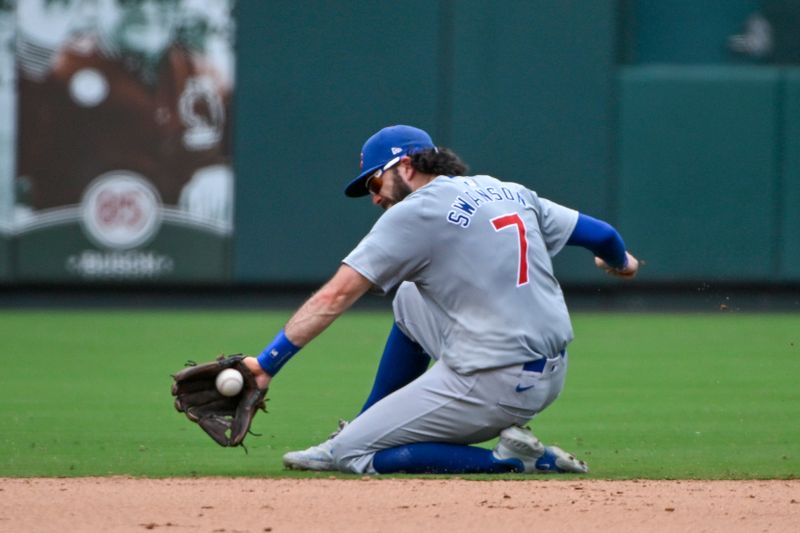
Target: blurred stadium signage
114,137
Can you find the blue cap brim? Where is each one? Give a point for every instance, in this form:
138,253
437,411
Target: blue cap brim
358,187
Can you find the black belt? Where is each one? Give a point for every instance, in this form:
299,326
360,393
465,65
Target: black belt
538,365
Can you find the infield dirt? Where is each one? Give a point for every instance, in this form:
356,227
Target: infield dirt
120,504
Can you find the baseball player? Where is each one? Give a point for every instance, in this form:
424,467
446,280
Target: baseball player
470,256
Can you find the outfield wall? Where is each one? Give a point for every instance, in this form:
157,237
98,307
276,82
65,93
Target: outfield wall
709,172
524,93
630,110
693,153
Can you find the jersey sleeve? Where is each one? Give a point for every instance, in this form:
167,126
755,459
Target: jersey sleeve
395,249
556,222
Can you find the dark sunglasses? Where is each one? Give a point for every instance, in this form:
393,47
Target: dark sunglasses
375,182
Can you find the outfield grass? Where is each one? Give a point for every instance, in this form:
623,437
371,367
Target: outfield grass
647,396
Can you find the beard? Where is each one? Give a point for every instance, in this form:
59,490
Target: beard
399,191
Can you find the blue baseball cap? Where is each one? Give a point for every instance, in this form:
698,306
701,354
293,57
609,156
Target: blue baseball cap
383,150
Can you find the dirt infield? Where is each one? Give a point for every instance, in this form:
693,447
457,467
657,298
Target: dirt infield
286,505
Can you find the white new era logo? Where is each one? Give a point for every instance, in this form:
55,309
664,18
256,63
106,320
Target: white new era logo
396,150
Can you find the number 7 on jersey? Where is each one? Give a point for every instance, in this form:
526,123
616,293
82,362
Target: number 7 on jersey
509,220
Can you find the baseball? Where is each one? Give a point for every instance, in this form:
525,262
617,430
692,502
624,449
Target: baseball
229,382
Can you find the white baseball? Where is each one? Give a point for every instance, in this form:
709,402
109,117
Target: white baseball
229,382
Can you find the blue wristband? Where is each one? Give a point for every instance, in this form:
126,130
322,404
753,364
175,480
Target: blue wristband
279,351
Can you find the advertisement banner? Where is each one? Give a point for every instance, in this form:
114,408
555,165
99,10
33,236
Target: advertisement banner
124,162
7,133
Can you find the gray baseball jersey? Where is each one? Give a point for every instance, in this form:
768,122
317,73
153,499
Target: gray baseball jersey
479,251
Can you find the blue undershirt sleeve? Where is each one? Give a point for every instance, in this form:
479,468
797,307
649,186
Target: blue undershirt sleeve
601,239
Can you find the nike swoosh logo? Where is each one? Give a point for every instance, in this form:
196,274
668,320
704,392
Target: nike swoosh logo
520,388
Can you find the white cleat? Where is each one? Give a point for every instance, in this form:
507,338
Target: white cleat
314,458
519,443
317,457
557,460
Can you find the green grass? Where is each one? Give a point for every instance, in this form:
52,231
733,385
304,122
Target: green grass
647,396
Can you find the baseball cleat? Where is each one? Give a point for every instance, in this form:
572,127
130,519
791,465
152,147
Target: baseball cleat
557,460
317,457
519,443
314,458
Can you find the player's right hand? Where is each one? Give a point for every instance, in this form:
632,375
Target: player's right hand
262,378
629,271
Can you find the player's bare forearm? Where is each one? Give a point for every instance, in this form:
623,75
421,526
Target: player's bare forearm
316,314
333,299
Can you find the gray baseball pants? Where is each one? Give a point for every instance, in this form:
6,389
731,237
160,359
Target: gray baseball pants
442,405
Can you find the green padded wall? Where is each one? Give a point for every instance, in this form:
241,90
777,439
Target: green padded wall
523,91
699,159
532,101
790,179
684,31
5,258
315,79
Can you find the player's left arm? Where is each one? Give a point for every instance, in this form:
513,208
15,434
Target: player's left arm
602,239
311,319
